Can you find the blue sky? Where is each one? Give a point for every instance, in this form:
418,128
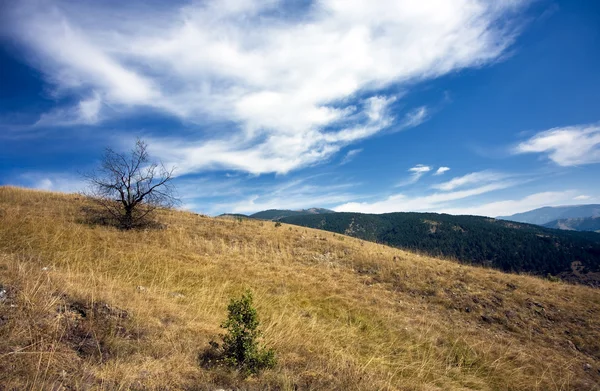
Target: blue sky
465,107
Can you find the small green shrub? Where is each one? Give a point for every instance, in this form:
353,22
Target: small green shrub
552,278
277,224
240,347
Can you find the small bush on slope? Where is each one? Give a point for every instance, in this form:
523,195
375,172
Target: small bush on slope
240,345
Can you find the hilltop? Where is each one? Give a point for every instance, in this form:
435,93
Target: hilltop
275,214
233,216
91,307
505,245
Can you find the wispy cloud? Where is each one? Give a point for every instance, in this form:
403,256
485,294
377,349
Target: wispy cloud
433,202
62,182
568,146
86,112
215,194
296,90
278,153
414,118
416,173
419,170
473,178
350,155
441,170
582,197
296,194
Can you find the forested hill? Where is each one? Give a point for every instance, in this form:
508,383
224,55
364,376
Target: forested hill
506,245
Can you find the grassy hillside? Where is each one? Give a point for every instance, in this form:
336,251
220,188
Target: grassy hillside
91,307
508,246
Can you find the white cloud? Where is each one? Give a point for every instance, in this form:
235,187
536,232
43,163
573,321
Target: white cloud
473,178
419,169
416,173
65,183
289,85
350,155
582,197
86,112
441,170
415,117
296,194
433,202
566,146
278,153
212,194
256,203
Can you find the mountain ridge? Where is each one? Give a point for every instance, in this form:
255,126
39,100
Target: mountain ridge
547,214
277,214
576,224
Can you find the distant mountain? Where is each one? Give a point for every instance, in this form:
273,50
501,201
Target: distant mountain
505,245
576,224
277,214
547,214
233,216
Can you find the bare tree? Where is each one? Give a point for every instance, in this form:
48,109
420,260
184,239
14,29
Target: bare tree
129,187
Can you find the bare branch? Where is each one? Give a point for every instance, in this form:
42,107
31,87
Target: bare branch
130,187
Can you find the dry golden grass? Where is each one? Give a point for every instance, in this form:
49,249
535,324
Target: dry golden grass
91,307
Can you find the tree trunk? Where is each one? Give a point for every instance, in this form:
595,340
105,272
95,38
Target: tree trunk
127,221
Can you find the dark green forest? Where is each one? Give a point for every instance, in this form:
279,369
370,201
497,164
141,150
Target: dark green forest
505,245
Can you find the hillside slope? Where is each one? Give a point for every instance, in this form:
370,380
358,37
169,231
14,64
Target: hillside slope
576,224
508,246
91,307
547,214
